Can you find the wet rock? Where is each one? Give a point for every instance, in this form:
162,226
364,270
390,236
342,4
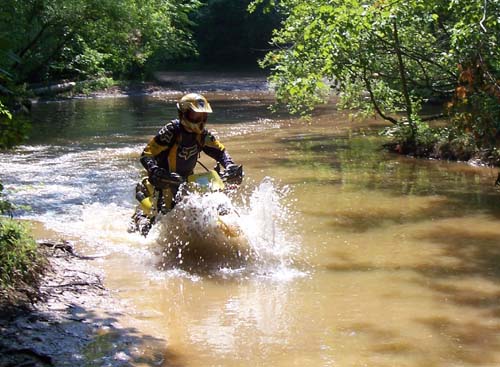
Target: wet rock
56,330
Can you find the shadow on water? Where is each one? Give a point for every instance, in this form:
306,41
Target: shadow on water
358,164
475,252
474,343
469,342
464,274
477,256
78,338
476,259
386,341
455,206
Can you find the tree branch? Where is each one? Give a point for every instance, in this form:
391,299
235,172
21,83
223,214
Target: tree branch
484,17
414,55
402,73
50,56
374,102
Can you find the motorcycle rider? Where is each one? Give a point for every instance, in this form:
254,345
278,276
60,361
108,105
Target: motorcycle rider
171,155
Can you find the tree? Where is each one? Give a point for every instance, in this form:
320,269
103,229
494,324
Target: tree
389,57
50,40
476,43
11,132
86,38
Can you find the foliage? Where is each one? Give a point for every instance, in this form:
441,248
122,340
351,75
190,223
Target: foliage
4,112
476,106
441,143
12,131
20,262
389,57
90,85
42,41
5,206
45,40
54,39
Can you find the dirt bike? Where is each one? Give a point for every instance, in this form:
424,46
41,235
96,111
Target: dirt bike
153,201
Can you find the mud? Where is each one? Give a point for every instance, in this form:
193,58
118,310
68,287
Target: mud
75,323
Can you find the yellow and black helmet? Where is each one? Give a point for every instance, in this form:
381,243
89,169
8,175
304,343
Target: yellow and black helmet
194,102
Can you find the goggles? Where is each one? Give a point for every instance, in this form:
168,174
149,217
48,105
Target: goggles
196,117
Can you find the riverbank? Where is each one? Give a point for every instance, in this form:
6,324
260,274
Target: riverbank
163,83
74,322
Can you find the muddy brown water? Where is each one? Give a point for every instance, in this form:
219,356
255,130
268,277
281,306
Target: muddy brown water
367,258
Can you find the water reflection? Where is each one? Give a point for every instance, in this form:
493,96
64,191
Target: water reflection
256,310
246,321
80,120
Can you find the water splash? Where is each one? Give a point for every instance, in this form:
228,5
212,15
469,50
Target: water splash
253,237
96,222
58,180
68,188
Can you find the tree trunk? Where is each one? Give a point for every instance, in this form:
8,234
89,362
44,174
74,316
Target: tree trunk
404,84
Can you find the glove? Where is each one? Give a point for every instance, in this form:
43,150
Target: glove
162,179
233,174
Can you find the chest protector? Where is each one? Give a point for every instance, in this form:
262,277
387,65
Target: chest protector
183,154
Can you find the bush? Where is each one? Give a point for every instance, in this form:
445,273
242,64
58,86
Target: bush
456,145
5,206
21,264
404,141
448,143
13,130
94,85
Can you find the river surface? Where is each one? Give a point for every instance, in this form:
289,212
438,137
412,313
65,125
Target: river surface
358,257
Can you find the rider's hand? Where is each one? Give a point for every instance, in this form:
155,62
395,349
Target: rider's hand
161,178
233,174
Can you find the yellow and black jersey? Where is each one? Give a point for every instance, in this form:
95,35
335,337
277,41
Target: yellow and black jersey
177,150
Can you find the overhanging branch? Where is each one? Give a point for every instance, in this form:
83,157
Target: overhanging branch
374,101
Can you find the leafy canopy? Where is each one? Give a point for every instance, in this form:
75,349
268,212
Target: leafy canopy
389,56
51,39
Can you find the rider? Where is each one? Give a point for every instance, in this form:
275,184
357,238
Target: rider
171,155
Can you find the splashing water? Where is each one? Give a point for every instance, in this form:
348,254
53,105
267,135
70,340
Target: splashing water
254,236
251,237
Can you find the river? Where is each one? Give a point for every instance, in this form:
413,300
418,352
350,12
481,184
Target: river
361,257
